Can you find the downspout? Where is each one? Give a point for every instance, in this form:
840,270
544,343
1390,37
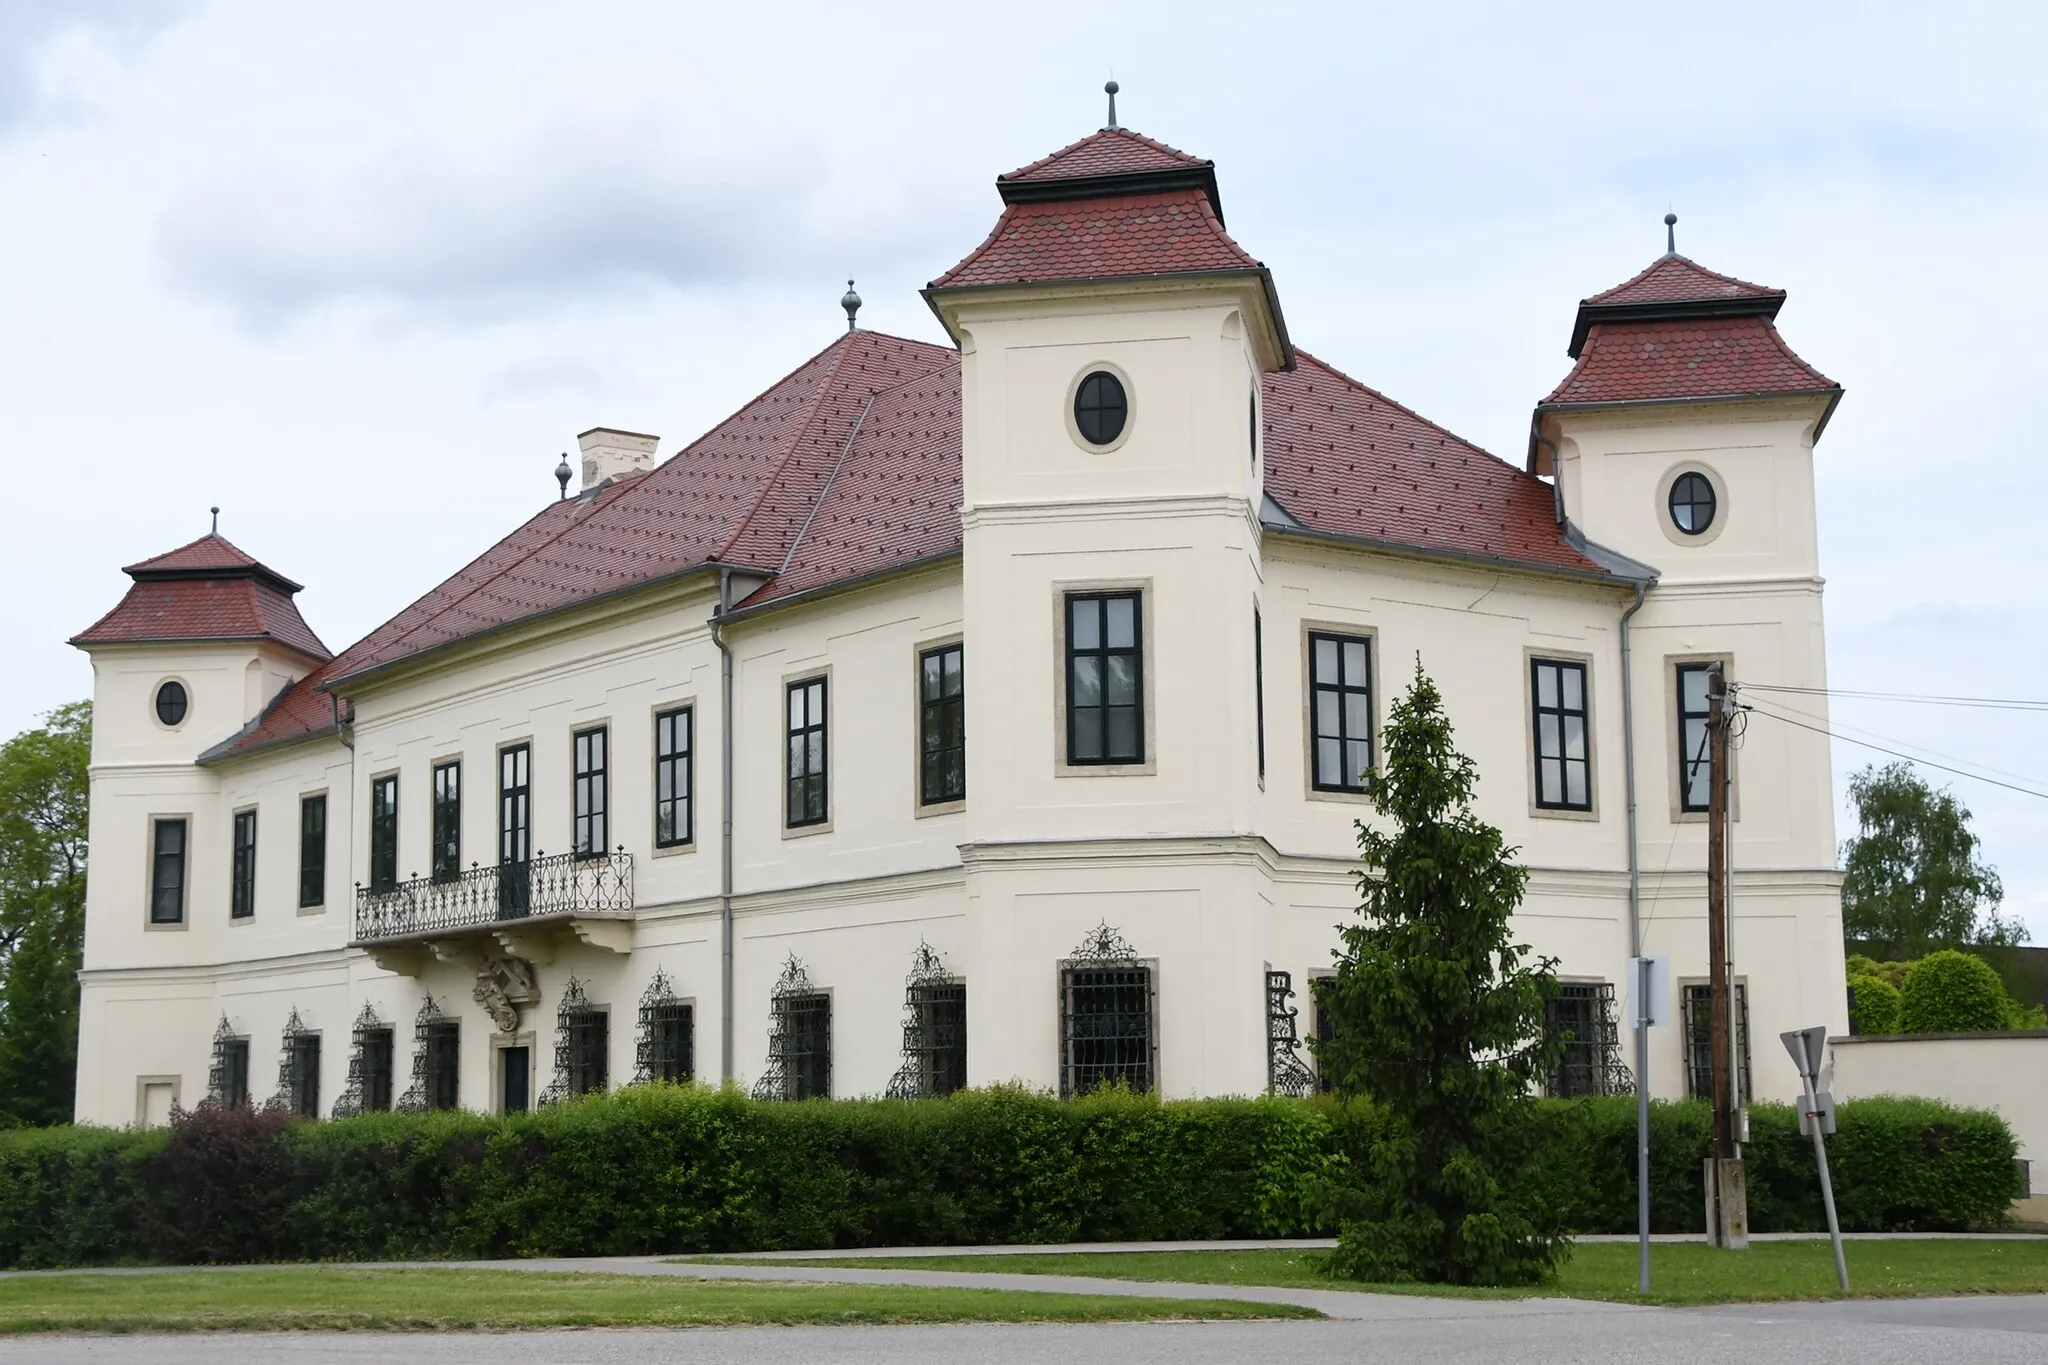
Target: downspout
725,1010
341,733
1628,772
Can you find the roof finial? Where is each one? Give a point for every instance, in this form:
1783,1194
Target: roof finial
563,474
216,523
1670,234
850,301
1110,88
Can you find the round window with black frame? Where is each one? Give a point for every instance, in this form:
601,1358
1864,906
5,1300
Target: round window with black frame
1693,503
1101,408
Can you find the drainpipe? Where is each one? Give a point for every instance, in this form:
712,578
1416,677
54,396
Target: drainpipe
1635,942
725,1011
341,732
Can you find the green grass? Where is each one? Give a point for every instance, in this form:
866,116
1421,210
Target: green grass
1680,1273
430,1299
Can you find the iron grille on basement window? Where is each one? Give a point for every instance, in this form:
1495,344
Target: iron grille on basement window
1340,704
1105,678
167,873
303,1093
942,725
242,890
799,1039
672,747
806,805
384,832
1699,1048
588,1033
934,1040
1582,1013
447,821
377,1055
592,792
1285,1072
515,829
312,851
669,1038
1106,1017
1692,737
443,1070
1563,771
227,1081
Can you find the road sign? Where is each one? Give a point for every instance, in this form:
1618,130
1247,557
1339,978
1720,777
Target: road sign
1823,1104
1649,1007
1809,1049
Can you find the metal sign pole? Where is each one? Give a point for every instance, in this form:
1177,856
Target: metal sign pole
1827,1187
1808,1047
1643,968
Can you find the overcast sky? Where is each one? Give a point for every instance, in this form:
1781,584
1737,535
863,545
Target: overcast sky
358,274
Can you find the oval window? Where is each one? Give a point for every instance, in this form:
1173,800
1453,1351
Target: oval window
1692,503
1100,408
170,704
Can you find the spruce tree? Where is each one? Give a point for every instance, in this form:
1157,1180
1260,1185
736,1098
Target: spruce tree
1438,1019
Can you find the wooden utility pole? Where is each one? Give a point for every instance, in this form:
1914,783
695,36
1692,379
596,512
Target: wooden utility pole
1727,1196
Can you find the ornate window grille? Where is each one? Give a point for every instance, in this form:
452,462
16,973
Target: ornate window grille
1582,1014
667,1046
1699,1038
227,1080
369,1067
1107,1033
1319,988
1285,1073
436,1061
582,1047
934,1031
799,1039
298,1069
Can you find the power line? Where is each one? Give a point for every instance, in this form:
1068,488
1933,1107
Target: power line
1823,730
1841,729
1912,698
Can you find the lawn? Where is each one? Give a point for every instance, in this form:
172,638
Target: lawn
1680,1273
432,1299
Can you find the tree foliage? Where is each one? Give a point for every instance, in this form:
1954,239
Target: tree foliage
42,913
1438,1018
1952,992
1914,882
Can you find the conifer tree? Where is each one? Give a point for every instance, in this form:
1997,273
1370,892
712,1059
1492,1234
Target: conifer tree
1438,1018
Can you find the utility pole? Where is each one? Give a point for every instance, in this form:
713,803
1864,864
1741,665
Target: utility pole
1727,1194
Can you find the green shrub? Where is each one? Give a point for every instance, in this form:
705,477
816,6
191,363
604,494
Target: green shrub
1874,1004
673,1169
1952,992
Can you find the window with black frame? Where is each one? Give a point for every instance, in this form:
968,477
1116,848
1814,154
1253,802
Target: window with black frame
1340,710
515,830
942,725
305,1064
1581,1015
1697,1016
588,1034
242,885
806,1022
167,872
1693,710
447,821
378,1051
442,1069
384,832
807,753
1105,678
312,851
591,786
935,1035
671,1041
1106,1010
1564,774
673,742
227,1082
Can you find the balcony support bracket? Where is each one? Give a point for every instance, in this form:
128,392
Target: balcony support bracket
612,935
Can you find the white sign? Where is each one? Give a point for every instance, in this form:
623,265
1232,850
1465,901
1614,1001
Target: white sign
1649,991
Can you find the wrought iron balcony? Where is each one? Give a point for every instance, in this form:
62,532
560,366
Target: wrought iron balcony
565,886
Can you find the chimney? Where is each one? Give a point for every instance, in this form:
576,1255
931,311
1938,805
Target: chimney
608,453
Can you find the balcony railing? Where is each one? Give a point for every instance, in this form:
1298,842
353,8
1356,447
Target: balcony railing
564,885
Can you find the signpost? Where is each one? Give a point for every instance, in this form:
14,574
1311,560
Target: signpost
1649,1004
1808,1047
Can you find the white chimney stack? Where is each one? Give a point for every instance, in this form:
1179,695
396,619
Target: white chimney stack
608,453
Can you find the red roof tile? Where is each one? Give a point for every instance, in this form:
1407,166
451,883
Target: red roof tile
1125,235
1112,151
1707,357
208,552
207,590
1679,279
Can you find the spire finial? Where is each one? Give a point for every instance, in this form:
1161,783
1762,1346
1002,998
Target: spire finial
563,474
850,301
1110,88
1670,234
216,522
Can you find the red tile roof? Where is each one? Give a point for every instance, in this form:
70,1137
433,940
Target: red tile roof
1679,279
207,590
206,553
1707,357
1125,235
1112,151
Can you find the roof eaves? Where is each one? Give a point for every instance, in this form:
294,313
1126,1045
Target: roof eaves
226,748
1833,393
1614,561
838,586
1199,177
1671,310
1468,558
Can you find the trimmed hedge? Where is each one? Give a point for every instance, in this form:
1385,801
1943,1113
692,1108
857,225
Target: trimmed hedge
1952,992
663,1169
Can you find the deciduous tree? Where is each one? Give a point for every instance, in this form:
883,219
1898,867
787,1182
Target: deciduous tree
1913,880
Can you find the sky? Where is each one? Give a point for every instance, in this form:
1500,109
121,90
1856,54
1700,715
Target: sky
358,274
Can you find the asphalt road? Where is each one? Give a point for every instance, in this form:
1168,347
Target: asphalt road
1979,1331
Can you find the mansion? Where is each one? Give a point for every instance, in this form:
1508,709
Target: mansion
989,712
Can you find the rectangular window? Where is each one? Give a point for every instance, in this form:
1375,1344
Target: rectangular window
934,1040
1699,1049
233,1067
443,1068
1692,737
806,804
1259,686
384,832
447,821
242,890
515,1073
312,851
806,1026
377,1057
167,873
1340,705
515,830
942,725
305,1096
672,1042
1564,779
589,1037
1105,678
1582,1014
672,777
591,836
1106,1027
